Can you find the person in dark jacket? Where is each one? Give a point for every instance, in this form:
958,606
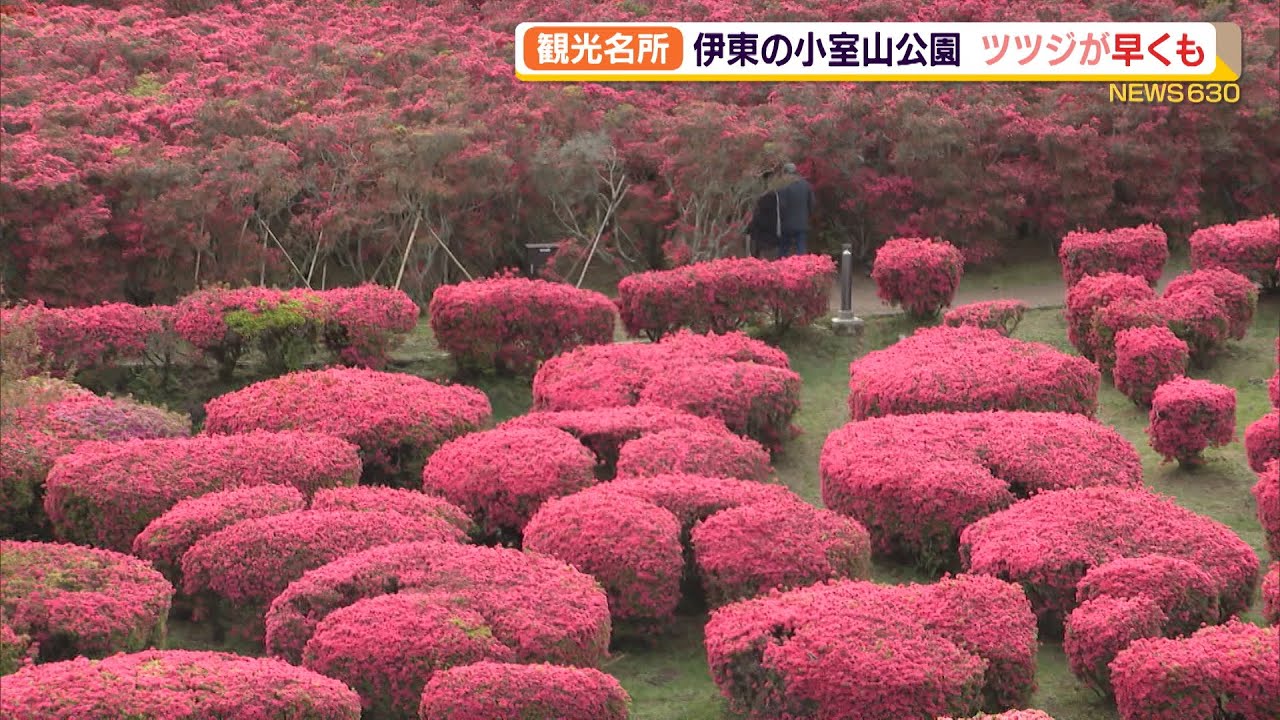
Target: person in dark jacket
765,229
797,201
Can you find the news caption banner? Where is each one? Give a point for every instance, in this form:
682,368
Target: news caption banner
1114,52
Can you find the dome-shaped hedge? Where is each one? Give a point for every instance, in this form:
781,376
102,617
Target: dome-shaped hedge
752,400
1271,595
1099,629
1186,594
74,600
1266,493
1146,358
1248,247
538,606
920,274
693,498
174,685
1008,715
1236,291
1093,293
1262,440
1139,251
677,452
1000,315
415,504
505,691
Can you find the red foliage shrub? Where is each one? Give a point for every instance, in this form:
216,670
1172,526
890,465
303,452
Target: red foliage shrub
746,551
693,498
387,647
1119,316
364,324
505,691
1271,595
1186,594
1092,293
501,477
201,318
414,504
167,538
1188,416
538,606
916,480
857,650
1249,247
965,369
631,546
919,274
1139,251
1000,315
679,452
89,337
1100,628
604,431
1237,293
243,567
512,324
1262,440
1008,715
1273,389
1147,357
797,290
72,600
175,685
1200,317
1223,671
397,420
1267,494
1048,542
16,650
755,401
105,493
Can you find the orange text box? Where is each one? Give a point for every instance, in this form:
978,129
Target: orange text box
605,48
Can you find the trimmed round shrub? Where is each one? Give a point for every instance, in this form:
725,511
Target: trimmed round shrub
1092,293
681,452
538,606
1009,715
1267,494
752,400
631,546
1271,595
224,323
396,420
854,649
386,648
915,481
1200,317
175,685
1140,251
1189,416
414,504
73,600
506,691
104,494
1000,315
166,539
1146,358
240,569
604,431
1119,316
15,650
501,477
364,324
1249,247
88,338
1186,594
745,551
1262,440
693,498
1100,628
512,324
919,274
946,369
1048,543
1237,293
1223,671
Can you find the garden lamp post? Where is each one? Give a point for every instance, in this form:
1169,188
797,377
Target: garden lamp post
845,322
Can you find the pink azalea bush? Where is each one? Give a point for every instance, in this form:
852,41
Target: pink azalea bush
1188,416
1008,715
1271,595
1186,594
745,551
1199,316
631,546
411,503
915,481
224,323
1262,440
538,606
387,647
1267,494
1146,358
15,650
1119,316
857,650
96,336
1249,247
752,400
71,600
1093,293
964,369
693,498
1048,543
396,420
1223,671
512,324
167,538
175,685
1237,293
364,324
506,691
681,452
999,315
1100,628
501,477
105,493
240,569
919,274
1139,251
